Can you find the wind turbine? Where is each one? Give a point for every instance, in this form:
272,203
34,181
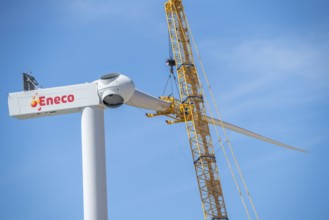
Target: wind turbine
110,91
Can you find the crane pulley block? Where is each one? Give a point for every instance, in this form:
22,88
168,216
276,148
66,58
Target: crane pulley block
170,62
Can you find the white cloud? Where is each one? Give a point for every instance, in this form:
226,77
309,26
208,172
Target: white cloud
288,55
267,72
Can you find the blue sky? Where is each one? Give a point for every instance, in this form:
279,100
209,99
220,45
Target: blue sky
268,66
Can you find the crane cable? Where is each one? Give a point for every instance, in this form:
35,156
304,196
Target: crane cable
171,86
225,134
172,78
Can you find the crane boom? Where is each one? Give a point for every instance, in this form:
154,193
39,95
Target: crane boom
193,114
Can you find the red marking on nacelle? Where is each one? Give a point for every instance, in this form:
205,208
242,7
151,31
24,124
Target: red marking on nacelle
56,100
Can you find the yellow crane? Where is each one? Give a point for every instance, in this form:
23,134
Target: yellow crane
190,108
194,114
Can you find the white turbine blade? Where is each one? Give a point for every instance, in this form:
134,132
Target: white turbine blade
248,133
143,100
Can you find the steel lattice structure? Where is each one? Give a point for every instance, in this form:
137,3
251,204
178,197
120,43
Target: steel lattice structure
194,114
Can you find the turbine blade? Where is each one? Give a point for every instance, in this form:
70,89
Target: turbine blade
143,100
249,133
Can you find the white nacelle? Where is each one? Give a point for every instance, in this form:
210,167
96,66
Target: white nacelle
111,90
52,101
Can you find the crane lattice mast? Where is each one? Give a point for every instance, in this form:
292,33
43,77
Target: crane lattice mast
194,114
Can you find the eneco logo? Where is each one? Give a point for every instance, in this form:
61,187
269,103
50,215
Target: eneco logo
39,101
